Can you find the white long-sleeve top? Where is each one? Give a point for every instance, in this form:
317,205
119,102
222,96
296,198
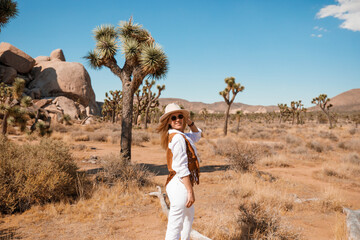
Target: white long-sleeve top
178,149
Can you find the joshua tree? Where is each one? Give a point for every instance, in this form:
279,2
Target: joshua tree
112,105
233,88
284,112
296,109
143,57
239,114
323,102
8,9
139,105
151,99
204,113
13,105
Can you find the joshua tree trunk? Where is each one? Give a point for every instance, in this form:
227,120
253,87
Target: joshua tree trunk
126,125
4,123
146,115
330,119
226,120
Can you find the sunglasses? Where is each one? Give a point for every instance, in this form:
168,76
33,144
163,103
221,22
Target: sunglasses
173,118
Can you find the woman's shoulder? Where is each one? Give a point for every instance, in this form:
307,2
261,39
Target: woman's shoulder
176,137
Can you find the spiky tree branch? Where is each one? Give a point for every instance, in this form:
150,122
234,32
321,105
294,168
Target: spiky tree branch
8,10
229,94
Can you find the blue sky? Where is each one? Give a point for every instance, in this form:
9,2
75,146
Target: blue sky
279,50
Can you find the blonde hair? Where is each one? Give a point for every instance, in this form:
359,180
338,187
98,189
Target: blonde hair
163,129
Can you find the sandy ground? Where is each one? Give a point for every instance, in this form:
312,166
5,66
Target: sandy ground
147,222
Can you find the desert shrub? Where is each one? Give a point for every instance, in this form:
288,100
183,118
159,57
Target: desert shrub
275,161
140,137
299,150
291,139
58,128
35,174
78,147
353,144
260,222
316,146
328,135
225,146
114,170
352,131
260,134
98,137
353,158
243,158
80,136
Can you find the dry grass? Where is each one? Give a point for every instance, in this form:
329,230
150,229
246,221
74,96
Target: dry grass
275,161
116,170
35,174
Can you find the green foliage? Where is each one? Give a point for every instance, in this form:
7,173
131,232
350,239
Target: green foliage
136,43
35,174
43,128
8,10
13,106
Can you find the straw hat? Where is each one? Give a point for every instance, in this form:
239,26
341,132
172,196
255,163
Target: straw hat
172,108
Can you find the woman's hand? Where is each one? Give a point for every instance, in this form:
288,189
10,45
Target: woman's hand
190,191
188,120
191,199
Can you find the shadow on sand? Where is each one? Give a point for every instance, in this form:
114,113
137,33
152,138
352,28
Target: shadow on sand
161,170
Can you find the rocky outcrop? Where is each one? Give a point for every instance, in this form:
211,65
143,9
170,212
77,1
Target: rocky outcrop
67,84
14,57
57,78
41,59
57,55
7,74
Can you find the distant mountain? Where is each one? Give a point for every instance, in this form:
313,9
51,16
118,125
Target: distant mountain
345,102
218,107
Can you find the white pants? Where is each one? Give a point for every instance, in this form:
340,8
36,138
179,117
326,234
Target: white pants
180,217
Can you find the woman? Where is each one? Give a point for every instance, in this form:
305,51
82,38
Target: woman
183,165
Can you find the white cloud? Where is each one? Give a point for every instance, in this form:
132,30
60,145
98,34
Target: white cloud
347,10
316,35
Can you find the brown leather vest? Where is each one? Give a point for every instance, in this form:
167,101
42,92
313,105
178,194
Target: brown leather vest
193,163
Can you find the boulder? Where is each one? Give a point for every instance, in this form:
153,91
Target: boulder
14,57
42,102
68,106
70,79
7,74
34,93
41,59
57,55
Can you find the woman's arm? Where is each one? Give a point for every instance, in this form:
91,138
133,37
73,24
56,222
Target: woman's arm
190,191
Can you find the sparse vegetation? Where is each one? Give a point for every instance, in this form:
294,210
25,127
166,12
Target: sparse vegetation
35,174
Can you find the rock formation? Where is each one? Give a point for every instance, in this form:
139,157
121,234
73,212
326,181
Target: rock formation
66,86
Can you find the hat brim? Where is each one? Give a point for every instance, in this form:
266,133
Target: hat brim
183,111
